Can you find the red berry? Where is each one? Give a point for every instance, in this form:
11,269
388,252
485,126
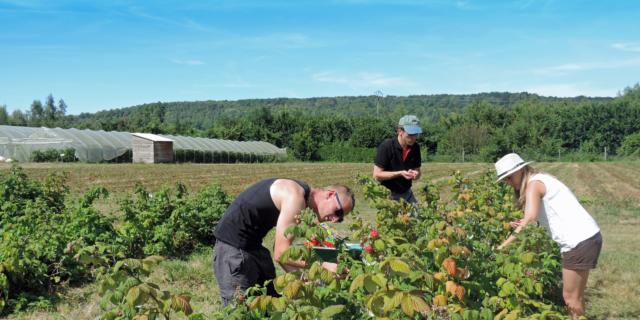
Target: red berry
374,233
315,242
368,248
328,244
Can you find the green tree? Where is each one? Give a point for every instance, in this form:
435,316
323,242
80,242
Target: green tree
4,115
18,118
61,111
49,112
304,146
36,114
630,145
369,132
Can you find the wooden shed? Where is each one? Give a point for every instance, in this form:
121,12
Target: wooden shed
151,148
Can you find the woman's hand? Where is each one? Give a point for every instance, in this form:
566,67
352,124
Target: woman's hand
515,224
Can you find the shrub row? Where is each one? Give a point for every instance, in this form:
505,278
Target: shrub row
42,229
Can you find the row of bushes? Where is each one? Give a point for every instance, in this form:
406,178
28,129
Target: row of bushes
179,156
198,156
169,222
54,155
436,261
335,152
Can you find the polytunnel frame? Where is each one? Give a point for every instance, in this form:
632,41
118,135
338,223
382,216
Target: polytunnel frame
94,145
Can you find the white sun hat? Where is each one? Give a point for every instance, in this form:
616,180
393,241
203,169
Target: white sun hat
509,164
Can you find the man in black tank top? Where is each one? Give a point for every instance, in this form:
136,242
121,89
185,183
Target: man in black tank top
240,261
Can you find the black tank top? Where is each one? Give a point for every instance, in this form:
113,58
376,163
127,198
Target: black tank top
251,215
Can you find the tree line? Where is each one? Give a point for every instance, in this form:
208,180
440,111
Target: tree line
47,114
479,127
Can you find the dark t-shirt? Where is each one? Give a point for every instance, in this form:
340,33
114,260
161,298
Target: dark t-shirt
389,158
251,215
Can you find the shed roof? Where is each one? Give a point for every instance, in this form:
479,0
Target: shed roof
152,137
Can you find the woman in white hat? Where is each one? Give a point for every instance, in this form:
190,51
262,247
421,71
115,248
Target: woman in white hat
547,200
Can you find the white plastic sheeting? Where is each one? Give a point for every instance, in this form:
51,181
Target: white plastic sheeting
96,146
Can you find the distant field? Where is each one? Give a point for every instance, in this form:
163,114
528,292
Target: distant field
121,178
610,191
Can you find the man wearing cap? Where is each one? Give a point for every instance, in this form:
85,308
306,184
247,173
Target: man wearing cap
398,160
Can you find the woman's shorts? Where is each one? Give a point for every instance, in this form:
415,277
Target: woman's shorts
585,255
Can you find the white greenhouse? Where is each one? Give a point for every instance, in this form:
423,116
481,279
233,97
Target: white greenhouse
21,143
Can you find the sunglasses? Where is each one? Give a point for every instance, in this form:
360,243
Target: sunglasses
340,212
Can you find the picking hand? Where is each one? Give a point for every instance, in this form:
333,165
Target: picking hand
406,174
333,267
515,224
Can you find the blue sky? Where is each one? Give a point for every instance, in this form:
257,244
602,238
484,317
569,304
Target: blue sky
99,55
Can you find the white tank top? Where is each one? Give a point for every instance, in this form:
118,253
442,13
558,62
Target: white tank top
562,215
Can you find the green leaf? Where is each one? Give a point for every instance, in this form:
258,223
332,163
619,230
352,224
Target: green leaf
407,305
370,285
285,256
255,303
133,296
486,314
471,315
357,283
278,304
280,282
329,312
181,303
153,259
538,288
118,265
394,302
314,270
326,275
419,304
508,288
379,279
265,302
379,245
399,266
375,303
109,315
527,258
292,289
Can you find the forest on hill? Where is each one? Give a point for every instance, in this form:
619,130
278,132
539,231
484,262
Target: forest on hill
477,127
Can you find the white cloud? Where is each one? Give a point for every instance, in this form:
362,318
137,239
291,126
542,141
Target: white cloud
627,46
140,12
284,40
363,79
571,90
560,69
236,82
569,68
188,62
24,3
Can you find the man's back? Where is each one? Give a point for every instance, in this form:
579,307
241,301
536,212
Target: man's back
251,216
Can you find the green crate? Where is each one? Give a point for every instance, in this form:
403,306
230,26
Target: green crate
331,254
326,254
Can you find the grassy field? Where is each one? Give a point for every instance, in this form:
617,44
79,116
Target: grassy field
610,191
